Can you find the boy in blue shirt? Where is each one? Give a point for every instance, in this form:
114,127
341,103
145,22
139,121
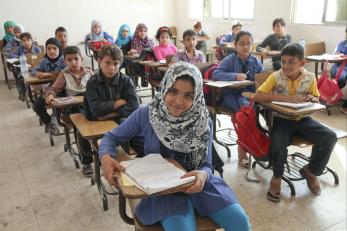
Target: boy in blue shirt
296,85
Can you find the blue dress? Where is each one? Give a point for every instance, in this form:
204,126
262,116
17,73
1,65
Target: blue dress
216,194
228,70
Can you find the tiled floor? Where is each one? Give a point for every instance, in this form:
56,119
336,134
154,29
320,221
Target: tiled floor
41,190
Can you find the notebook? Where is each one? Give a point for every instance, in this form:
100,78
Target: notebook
152,173
293,105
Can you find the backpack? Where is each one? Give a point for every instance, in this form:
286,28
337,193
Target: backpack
207,75
250,137
329,89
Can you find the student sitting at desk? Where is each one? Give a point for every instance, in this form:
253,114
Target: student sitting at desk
189,54
70,82
124,38
52,62
239,66
230,38
26,47
164,48
341,49
294,84
276,41
97,34
178,109
61,35
140,40
202,36
110,95
15,43
9,36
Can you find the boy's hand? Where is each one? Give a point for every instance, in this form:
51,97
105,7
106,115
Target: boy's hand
241,76
201,177
109,166
311,98
42,75
49,98
119,103
296,99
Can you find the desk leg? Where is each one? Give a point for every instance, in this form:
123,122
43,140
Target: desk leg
122,210
4,66
316,69
97,176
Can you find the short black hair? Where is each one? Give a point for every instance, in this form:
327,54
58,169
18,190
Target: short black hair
60,29
25,35
189,33
293,49
113,51
161,30
278,20
241,33
72,50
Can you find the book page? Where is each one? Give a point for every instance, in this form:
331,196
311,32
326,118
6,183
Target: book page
153,173
222,84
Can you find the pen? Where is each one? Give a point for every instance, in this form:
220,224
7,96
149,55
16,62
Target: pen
247,72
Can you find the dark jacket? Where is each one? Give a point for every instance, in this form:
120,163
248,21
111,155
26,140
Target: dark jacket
101,95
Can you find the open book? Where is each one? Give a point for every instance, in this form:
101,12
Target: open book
153,173
293,105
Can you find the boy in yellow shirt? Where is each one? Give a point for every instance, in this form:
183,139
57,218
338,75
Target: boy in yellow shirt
292,83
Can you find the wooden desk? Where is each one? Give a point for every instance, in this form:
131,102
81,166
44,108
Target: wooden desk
293,113
92,131
66,102
325,58
152,64
132,56
265,55
64,107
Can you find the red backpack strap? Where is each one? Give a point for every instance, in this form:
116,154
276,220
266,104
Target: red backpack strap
342,66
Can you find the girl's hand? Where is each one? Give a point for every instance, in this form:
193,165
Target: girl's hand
311,98
241,76
49,98
132,51
103,40
109,166
201,177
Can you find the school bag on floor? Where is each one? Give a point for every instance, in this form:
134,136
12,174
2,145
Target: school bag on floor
329,90
250,136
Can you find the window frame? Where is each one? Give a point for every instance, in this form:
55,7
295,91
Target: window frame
323,19
228,19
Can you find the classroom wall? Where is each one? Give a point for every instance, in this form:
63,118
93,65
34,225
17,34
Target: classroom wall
41,18
265,12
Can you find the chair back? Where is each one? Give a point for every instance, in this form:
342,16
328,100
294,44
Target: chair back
261,77
315,48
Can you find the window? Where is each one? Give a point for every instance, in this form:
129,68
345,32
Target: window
227,9
320,11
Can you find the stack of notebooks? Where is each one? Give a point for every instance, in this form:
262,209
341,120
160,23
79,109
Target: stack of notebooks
153,174
294,105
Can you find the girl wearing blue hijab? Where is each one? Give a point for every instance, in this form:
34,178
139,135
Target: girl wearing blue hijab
124,38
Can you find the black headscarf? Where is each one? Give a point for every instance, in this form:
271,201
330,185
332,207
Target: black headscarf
56,43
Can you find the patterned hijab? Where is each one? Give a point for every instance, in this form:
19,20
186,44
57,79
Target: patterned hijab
8,36
142,43
190,132
123,40
92,35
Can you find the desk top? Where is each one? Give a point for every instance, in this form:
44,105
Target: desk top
32,80
91,129
225,47
64,102
133,192
292,112
132,56
151,63
327,58
229,84
268,53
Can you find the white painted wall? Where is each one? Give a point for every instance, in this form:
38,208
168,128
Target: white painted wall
41,17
